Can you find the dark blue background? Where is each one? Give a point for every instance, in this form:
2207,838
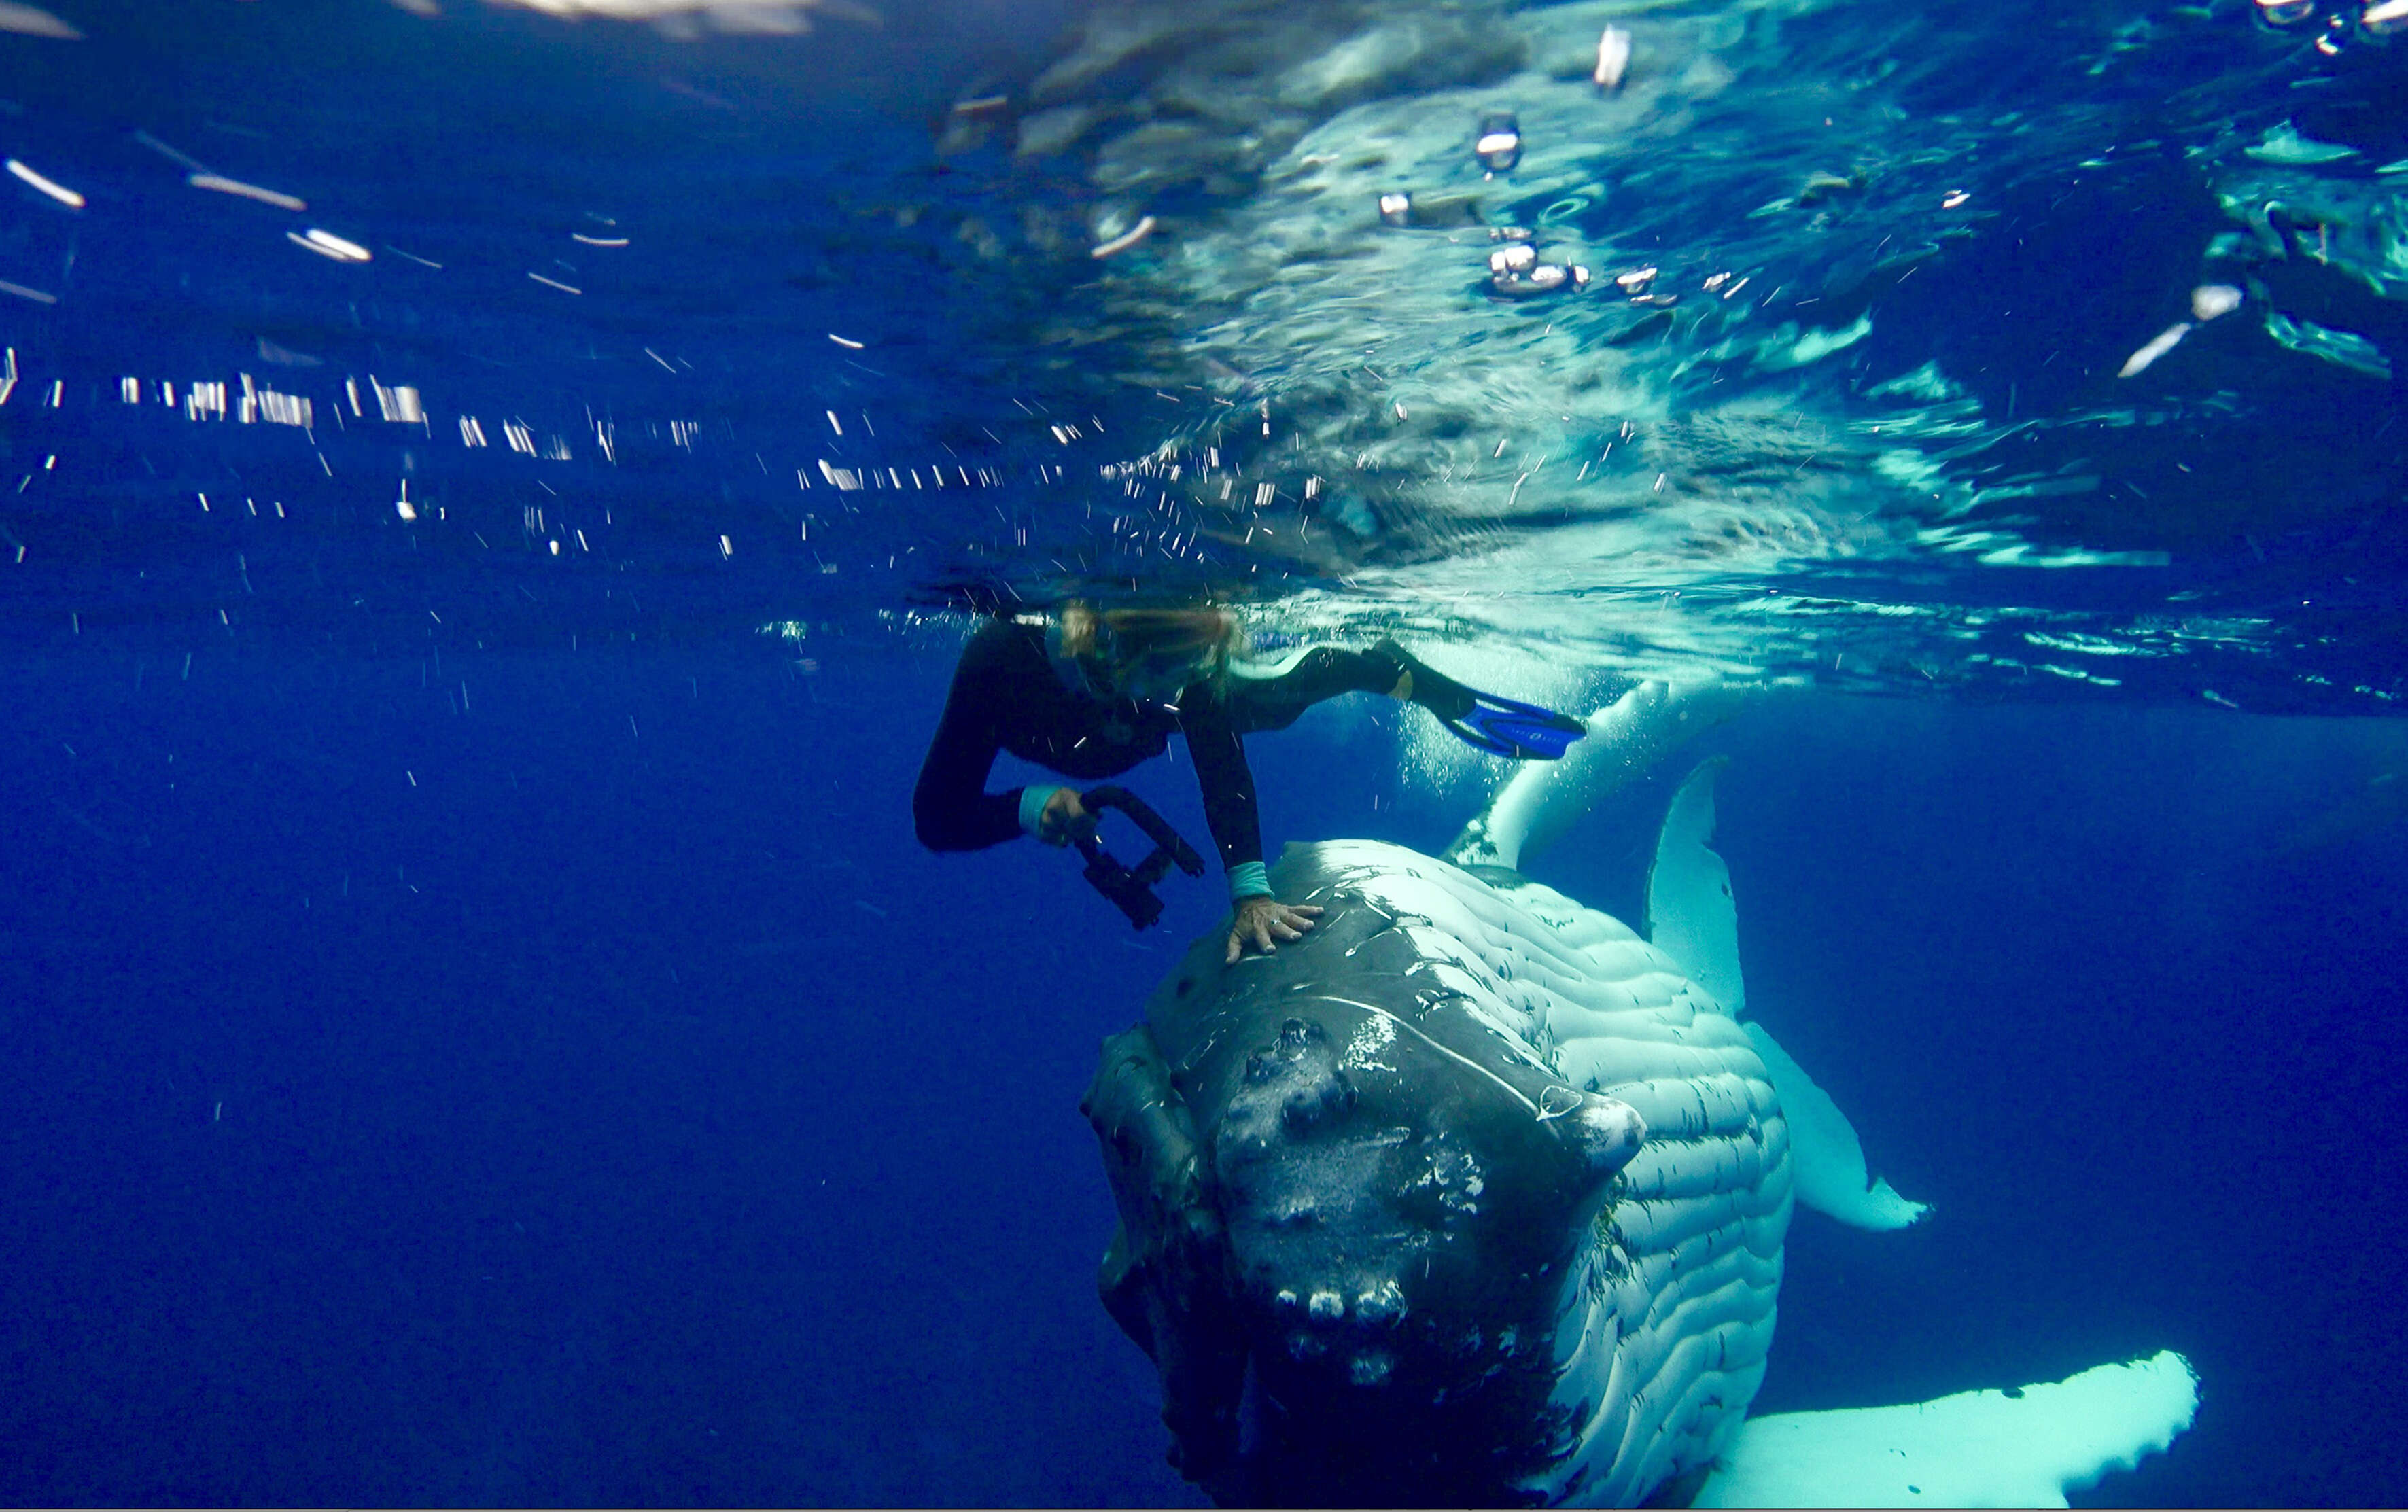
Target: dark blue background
630,1112
555,1075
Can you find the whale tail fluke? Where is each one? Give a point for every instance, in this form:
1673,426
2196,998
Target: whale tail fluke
1626,739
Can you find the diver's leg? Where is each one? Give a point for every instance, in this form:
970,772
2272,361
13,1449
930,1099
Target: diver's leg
1423,684
1325,672
1500,726
1274,703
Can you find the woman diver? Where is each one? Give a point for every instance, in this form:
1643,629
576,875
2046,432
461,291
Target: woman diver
1089,693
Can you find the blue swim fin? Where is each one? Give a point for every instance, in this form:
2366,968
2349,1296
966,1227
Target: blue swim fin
1518,732
1500,726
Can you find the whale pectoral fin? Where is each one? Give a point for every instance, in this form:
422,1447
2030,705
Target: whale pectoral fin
1693,918
1691,915
2024,1447
1827,1160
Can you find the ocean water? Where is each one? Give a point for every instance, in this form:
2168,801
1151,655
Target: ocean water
490,499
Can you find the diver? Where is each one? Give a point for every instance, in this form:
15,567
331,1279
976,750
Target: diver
1089,693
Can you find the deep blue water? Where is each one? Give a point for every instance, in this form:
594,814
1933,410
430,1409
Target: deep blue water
478,1027
639,1117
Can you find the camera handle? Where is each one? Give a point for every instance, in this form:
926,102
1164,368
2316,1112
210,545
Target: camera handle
1130,889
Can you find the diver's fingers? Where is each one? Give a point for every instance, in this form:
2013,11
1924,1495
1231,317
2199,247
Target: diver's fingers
1236,948
1254,919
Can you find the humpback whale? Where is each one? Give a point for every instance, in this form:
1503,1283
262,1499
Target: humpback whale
1475,1196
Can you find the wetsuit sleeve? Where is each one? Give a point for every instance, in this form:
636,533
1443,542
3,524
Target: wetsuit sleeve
950,807
1222,772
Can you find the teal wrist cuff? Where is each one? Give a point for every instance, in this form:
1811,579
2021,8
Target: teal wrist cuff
1033,799
1249,879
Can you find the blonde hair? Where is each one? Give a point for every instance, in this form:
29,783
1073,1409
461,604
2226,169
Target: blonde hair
1206,636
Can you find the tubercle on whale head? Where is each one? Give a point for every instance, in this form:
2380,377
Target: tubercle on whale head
1337,1201
1606,1132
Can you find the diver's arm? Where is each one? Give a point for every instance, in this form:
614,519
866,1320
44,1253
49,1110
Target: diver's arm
1222,772
950,807
1257,919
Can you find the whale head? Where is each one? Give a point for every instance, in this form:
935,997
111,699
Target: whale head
1355,1220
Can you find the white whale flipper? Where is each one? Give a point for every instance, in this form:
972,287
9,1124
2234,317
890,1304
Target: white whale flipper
1693,918
1691,914
1829,1160
1976,1449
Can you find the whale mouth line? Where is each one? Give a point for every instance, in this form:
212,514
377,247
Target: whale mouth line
1515,1092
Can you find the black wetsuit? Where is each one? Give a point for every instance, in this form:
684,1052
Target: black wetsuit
1006,696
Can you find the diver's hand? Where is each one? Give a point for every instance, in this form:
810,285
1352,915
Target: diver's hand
1260,920
1064,819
